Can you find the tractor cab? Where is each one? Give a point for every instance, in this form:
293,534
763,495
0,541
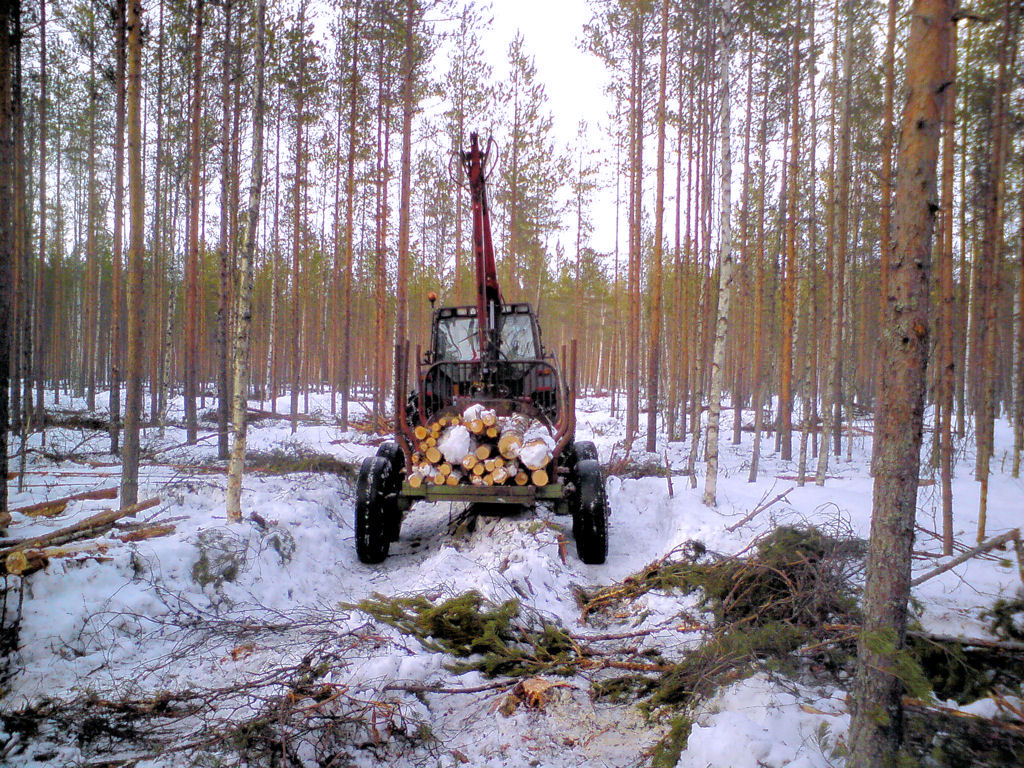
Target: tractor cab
455,334
503,362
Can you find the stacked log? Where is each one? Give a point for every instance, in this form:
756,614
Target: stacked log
481,448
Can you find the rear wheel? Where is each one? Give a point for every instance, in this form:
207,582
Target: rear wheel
574,454
373,524
590,513
390,451
585,450
394,456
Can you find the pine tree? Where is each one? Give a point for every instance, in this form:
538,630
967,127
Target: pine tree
876,728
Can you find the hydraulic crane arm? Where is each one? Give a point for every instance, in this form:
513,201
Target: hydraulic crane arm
488,298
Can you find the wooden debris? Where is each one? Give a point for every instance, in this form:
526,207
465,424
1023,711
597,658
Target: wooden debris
759,509
148,532
54,507
986,546
90,527
24,562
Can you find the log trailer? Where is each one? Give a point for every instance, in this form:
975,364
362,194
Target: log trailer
490,419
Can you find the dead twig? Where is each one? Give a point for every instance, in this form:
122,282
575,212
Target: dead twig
759,509
986,546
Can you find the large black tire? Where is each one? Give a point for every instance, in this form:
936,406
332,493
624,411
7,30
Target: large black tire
585,451
590,513
573,455
390,451
373,526
393,454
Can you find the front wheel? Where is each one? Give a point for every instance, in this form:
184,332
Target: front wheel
590,513
390,451
373,524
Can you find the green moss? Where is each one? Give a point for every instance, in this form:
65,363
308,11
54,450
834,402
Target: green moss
667,751
902,662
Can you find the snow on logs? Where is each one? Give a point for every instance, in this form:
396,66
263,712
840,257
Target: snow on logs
479,448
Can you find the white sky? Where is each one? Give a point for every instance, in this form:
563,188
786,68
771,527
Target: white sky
574,82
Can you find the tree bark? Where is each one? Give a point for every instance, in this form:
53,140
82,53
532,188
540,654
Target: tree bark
410,57
136,254
223,245
192,256
947,307
655,279
243,309
298,202
350,193
876,729
39,332
116,315
725,260
8,10
989,272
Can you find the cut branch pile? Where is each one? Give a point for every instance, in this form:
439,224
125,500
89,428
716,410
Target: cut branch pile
481,448
21,557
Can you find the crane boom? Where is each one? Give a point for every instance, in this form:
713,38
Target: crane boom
488,298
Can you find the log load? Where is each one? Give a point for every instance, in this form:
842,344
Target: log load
480,448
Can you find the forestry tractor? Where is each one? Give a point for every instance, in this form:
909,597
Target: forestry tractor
490,419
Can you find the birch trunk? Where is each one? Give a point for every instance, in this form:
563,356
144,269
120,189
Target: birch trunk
243,307
725,261
655,279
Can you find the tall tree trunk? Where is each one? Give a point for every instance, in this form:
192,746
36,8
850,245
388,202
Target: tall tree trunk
41,318
947,309
300,167
655,279
243,307
136,305
739,392
725,260
87,378
223,244
409,57
759,331
8,12
350,193
989,272
790,277
158,233
885,224
635,203
876,728
116,316
192,256
842,230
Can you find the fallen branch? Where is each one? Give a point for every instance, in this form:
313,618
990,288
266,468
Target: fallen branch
987,546
148,532
94,525
759,509
413,688
56,506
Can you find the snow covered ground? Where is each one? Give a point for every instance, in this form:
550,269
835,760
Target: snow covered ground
236,613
